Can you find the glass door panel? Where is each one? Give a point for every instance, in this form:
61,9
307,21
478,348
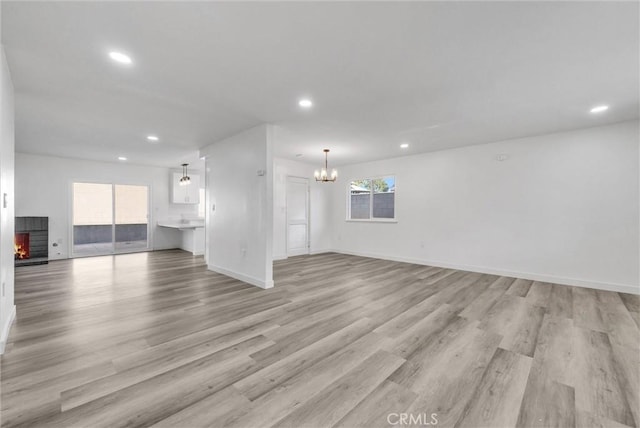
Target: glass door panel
92,219
131,217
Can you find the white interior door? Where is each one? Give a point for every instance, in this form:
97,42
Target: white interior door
297,216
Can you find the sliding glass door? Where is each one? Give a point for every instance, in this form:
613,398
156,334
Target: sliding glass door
109,218
131,217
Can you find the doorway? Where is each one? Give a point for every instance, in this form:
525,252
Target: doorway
109,219
297,216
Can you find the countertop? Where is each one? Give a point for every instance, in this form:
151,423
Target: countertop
182,225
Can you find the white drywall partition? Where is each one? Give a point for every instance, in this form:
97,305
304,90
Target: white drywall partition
240,206
7,208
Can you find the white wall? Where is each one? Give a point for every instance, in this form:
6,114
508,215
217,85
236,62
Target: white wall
563,208
319,209
7,307
239,240
43,188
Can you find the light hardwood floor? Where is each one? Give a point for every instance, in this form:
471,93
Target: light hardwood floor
156,339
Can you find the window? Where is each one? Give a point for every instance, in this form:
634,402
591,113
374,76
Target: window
372,199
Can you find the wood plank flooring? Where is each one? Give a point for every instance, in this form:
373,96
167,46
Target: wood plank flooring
154,339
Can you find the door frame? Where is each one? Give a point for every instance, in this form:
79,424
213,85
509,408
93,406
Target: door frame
114,251
308,208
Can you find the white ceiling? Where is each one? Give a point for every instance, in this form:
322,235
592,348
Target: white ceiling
434,74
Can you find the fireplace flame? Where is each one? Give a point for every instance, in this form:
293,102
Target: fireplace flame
21,246
20,252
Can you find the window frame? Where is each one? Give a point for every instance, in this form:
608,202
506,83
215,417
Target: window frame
372,219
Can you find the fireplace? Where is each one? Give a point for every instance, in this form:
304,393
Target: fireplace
31,242
21,246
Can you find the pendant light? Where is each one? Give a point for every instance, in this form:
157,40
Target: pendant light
185,180
322,175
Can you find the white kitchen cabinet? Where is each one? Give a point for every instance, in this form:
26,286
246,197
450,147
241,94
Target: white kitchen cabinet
189,194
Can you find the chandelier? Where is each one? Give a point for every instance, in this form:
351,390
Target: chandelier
322,175
185,180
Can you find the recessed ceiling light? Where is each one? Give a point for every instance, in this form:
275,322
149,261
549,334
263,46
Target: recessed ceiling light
120,57
122,158
152,138
599,109
404,145
305,103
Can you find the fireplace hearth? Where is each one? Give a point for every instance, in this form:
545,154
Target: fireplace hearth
31,242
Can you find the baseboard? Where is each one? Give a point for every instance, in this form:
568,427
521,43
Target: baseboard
161,248
6,329
620,288
242,277
323,251
311,252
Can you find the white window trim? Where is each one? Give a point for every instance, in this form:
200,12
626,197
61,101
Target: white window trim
371,219
375,220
